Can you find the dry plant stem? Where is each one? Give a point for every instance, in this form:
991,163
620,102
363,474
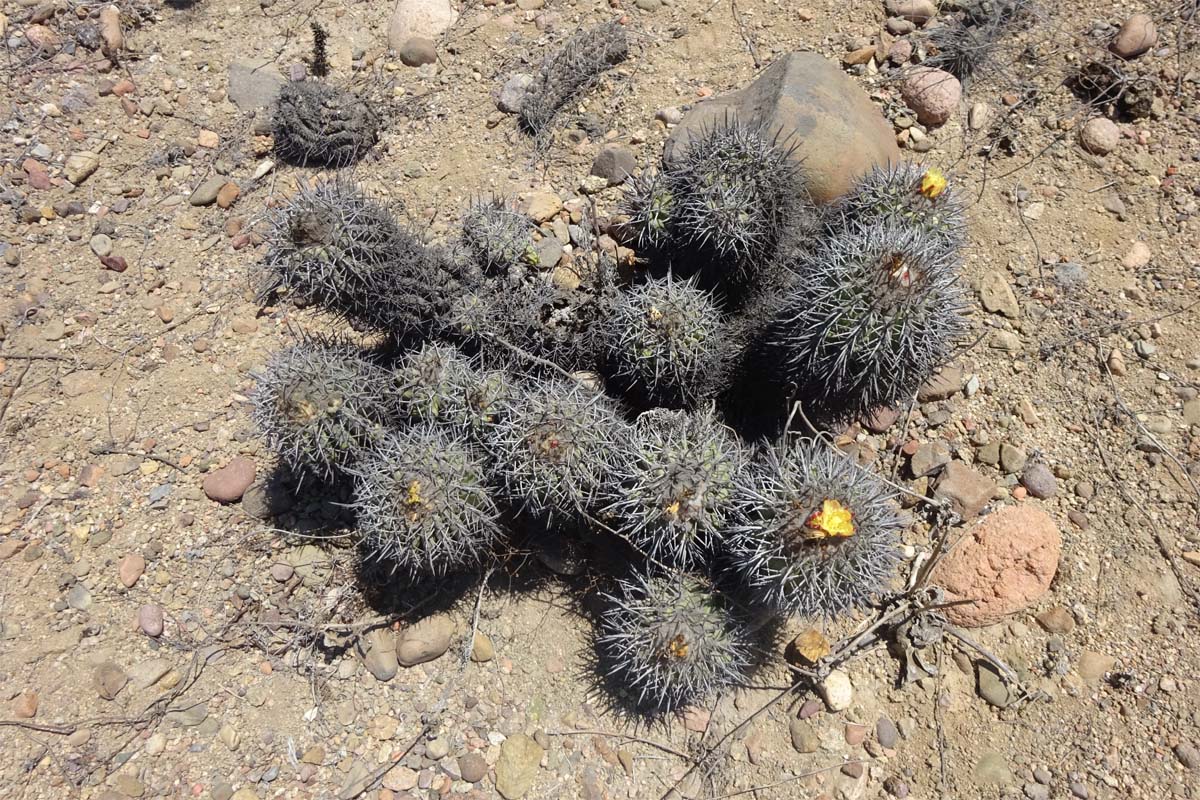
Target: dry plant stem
792,779
1094,336
659,745
370,779
527,355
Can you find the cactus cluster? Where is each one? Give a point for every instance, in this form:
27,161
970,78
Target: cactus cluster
570,70
726,201
587,401
319,124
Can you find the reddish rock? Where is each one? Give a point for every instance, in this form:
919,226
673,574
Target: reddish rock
131,568
933,94
90,475
1136,36
1004,564
115,263
230,482
881,419
150,619
26,705
36,174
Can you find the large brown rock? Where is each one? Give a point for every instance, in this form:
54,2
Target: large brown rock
837,131
1004,564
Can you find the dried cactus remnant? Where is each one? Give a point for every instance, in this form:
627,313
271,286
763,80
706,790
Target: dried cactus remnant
316,124
570,71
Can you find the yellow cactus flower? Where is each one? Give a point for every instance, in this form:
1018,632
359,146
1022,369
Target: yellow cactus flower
833,521
673,509
677,648
933,183
654,314
413,497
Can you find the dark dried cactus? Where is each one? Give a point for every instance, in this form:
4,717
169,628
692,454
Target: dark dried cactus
568,72
870,317
813,533
422,502
320,404
676,485
672,640
667,344
316,124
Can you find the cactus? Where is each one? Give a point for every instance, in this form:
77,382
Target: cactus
813,533
568,72
554,447
335,247
321,125
437,384
667,344
673,640
498,239
650,206
872,314
422,502
319,404
905,195
736,196
676,485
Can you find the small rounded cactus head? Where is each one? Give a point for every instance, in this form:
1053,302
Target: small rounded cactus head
422,502
437,383
667,344
905,195
497,238
737,196
813,533
871,316
316,124
650,207
672,640
555,447
677,485
320,404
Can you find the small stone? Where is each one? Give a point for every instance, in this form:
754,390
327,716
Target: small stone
109,680
992,687
229,483
896,787
228,194
80,166
481,648
418,51
150,620
804,738
400,779
378,648
426,18
543,206
1188,755
860,55
1040,481
1004,564
78,598
837,691
1136,36
941,386
282,573
886,733
967,490
880,420
933,94
130,569
1094,666
110,30
915,11
26,705
206,193
229,736
1137,257
992,770
1056,619
473,767
512,94
425,640
101,245
929,458
615,163
517,766
1099,136
1012,458
978,116
438,749
807,648
996,296
853,769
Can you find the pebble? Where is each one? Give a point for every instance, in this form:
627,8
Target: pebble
886,733
1137,35
131,568
978,116
473,767
110,30
1188,755
1099,136
418,51
669,115
804,737
992,687
378,649
228,195
517,766
896,787
542,206
512,94
1056,619
438,749
615,163
26,705
425,640
281,573
229,483
991,769
1093,666
150,620
929,458
1040,481
101,245
916,11
109,680
837,691
78,598
1137,257
481,648
941,386
966,490
206,193
80,166
997,297
932,93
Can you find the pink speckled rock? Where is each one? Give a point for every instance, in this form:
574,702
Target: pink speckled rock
933,94
1004,564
